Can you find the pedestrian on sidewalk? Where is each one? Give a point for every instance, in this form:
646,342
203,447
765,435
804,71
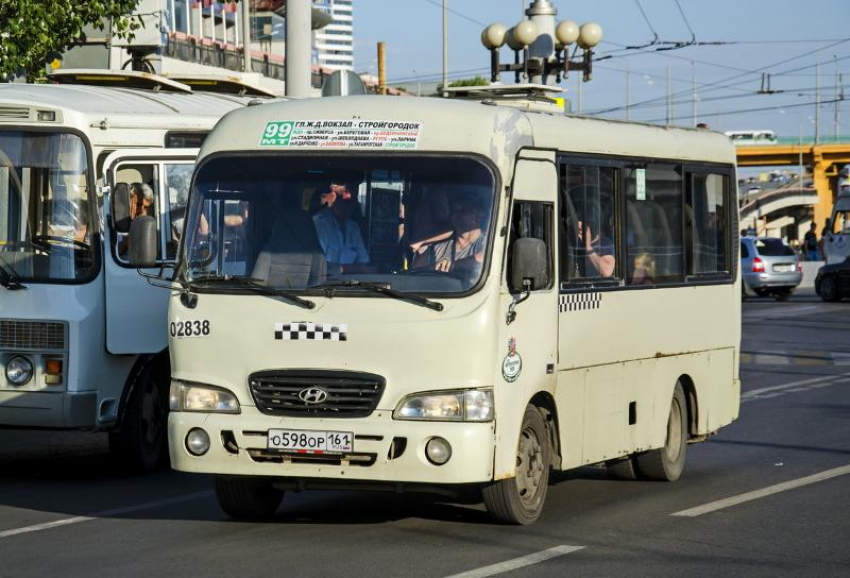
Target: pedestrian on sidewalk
810,243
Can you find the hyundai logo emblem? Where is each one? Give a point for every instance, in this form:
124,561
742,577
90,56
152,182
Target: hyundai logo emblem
313,395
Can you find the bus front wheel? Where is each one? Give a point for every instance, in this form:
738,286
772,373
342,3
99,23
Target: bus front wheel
247,497
141,444
519,500
667,462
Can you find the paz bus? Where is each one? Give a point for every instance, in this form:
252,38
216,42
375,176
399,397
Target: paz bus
82,336
429,294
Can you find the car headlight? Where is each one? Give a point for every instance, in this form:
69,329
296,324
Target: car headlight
196,397
471,405
19,370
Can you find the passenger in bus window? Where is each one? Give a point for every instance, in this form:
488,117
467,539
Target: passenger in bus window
644,270
339,235
599,250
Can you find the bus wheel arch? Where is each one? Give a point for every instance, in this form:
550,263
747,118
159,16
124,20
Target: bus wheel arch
692,407
545,403
140,439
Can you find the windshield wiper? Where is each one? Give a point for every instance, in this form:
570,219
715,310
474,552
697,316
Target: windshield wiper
203,283
383,289
10,280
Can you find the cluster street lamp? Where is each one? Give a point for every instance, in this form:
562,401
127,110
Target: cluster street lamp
542,48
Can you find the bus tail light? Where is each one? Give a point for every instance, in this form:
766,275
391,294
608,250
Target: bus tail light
758,265
799,266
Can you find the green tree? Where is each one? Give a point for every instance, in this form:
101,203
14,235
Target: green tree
478,80
34,32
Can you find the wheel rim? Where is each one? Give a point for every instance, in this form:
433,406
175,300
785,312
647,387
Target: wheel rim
152,418
674,432
530,467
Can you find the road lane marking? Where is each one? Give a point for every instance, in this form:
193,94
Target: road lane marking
516,563
754,495
786,312
811,383
105,514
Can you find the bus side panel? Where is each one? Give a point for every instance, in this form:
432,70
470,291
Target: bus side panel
613,410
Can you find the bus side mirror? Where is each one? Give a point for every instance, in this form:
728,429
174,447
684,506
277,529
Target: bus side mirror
143,242
529,261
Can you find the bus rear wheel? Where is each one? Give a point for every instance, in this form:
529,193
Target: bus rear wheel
519,500
247,497
667,462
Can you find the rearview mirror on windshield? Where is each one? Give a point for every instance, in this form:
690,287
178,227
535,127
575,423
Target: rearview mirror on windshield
143,242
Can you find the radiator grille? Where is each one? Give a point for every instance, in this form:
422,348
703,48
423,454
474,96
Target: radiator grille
345,393
14,112
32,335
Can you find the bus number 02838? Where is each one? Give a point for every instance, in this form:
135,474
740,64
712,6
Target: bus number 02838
189,328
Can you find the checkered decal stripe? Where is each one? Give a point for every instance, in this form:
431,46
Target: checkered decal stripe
579,302
311,331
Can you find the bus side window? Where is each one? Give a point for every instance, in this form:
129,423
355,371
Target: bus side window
177,179
136,194
654,244
532,220
707,224
587,224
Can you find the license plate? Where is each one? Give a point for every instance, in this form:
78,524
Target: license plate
311,442
783,268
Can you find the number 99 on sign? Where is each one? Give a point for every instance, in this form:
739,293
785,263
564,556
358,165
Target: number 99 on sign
278,130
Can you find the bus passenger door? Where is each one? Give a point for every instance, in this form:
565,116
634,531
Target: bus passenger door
528,340
153,182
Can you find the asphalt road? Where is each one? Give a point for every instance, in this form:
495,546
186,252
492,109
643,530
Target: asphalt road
63,510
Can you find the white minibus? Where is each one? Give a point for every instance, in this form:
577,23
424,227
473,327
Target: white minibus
82,336
428,294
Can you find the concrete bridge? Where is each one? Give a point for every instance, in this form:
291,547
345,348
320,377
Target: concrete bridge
825,160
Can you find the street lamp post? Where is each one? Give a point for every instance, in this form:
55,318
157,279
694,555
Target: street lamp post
542,49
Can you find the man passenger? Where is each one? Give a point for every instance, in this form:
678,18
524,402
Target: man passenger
338,234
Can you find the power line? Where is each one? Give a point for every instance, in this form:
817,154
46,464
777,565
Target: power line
456,13
747,110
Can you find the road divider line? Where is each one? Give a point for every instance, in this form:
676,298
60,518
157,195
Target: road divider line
756,494
793,384
105,514
516,563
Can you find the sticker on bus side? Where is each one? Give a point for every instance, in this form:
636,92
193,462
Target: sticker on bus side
512,364
189,328
640,184
342,134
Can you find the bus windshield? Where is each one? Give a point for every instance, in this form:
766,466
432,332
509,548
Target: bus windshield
313,222
45,217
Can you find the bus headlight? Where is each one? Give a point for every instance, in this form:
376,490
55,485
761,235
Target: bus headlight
19,370
471,405
196,397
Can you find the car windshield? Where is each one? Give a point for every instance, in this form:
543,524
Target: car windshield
321,222
773,248
46,220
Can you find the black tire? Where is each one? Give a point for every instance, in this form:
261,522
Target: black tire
622,469
783,294
667,462
141,445
247,497
519,500
828,289
761,292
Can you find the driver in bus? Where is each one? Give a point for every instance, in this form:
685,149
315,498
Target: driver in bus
463,247
141,205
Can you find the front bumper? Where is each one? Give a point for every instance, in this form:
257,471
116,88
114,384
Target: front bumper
376,454
48,409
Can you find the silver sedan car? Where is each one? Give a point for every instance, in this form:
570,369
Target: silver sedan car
769,267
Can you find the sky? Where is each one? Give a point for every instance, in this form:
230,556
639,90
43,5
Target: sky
782,37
